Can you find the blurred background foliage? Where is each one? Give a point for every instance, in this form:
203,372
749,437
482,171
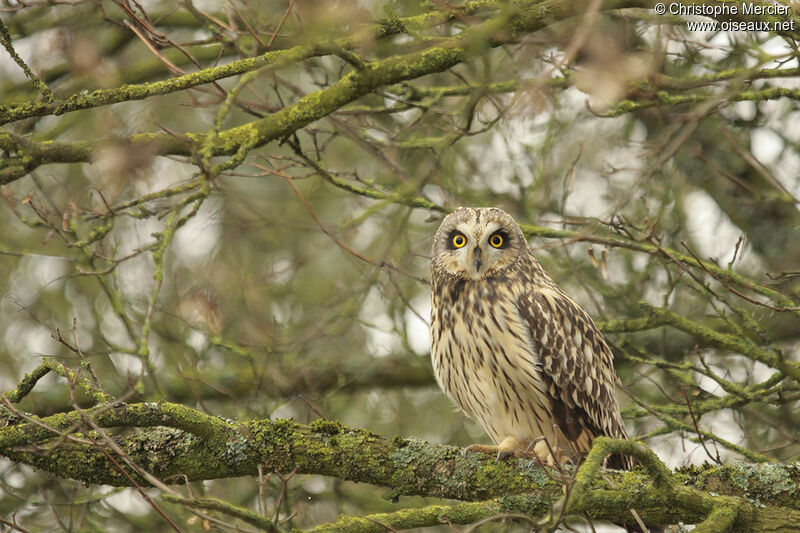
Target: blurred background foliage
294,283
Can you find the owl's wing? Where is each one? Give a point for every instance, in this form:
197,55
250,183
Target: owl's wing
577,367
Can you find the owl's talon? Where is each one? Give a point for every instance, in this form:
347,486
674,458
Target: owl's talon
501,453
480,448
510,446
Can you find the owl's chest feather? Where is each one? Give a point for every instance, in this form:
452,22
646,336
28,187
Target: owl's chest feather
483,357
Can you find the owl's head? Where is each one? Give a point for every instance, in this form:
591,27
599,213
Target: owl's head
477,242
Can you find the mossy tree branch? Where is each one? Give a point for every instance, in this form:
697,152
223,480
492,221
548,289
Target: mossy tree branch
393,98
510,23
782,302
176,443
274,59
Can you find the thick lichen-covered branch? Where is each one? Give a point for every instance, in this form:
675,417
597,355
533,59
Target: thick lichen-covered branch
187,442
721,512
176,443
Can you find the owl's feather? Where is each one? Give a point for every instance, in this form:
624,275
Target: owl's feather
577,366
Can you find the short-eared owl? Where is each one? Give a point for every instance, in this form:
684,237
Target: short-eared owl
511,348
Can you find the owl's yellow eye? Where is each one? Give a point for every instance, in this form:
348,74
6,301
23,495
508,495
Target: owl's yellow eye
496,240
459,241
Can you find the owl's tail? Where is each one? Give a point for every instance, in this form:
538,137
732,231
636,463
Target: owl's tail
620,462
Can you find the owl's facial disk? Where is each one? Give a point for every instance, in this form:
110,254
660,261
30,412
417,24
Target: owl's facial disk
473,251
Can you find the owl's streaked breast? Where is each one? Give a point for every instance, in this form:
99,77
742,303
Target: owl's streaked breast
483,359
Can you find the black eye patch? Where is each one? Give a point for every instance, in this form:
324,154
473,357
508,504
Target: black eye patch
456,239
502,242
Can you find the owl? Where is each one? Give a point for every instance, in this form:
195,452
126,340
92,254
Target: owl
515,352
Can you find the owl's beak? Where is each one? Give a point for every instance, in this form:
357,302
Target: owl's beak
478,262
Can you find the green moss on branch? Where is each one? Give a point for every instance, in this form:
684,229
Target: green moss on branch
523,17
176,443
